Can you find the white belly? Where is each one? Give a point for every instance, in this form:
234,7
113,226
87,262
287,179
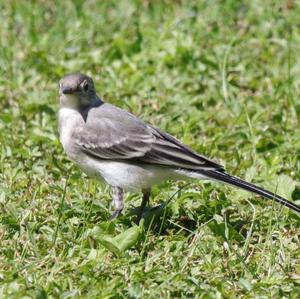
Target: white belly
131,177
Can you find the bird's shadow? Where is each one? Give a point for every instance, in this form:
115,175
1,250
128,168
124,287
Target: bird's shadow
157,219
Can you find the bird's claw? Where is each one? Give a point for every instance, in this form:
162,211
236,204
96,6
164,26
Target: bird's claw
115,214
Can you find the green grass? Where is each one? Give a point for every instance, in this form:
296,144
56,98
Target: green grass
222,76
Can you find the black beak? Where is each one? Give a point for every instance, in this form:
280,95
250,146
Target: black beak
67,90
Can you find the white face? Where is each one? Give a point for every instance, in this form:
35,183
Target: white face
69,100
76,91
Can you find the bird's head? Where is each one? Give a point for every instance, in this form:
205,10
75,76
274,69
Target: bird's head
76,91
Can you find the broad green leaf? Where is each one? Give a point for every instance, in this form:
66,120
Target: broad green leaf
128,238
110,244
121,242
282,185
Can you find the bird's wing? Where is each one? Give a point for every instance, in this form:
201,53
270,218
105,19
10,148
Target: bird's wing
111,133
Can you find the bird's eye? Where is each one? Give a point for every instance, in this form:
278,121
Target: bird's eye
85,86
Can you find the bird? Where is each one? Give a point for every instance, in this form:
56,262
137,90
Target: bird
112,145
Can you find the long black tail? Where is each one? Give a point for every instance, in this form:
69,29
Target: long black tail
226,178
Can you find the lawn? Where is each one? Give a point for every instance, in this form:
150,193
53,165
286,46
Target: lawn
223,77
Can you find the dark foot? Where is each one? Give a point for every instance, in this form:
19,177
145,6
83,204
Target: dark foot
117,197
145,200
115,214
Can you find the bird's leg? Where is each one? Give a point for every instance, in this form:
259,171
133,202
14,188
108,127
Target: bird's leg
117,197
145,200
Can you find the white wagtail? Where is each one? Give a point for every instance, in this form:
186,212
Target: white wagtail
109,143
